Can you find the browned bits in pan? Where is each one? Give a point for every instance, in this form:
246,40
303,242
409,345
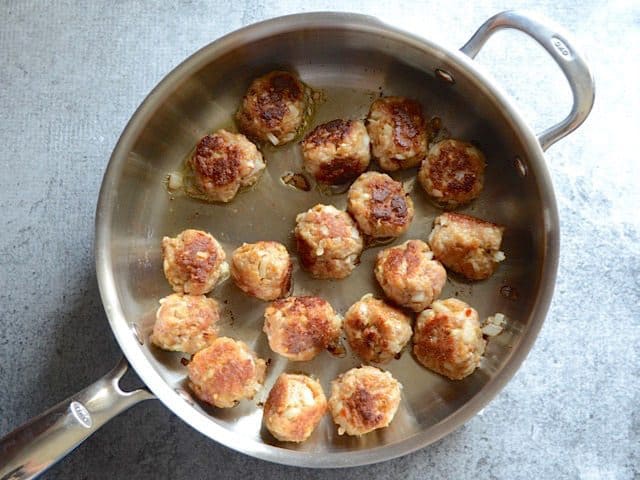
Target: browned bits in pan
296,180
509,292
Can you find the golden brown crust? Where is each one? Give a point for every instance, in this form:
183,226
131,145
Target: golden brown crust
409,276
262,269
448,339
198,268
467,245
222,163
398,132
408,257
334,131
365,408
299,328
193,261
337,151
307,254
376,331
315,334
452,173
278,88
380,205
185,323
339,170
276,401
274,106
364,399
216,160
388,203
468,220
439,345
328,242
408,122
294,407
226,372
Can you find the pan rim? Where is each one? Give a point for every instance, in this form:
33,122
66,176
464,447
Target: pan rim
131,347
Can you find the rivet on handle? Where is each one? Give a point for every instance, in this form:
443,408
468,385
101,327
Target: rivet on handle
445,76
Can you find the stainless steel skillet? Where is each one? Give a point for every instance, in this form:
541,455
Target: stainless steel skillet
352,59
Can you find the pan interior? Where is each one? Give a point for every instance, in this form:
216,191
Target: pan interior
351,68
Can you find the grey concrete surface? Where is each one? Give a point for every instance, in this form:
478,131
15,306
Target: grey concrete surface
72,73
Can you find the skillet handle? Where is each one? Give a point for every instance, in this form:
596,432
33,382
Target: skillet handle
561,49
34,447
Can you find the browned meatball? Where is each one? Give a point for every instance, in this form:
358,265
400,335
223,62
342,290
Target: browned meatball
409,276
273,108
398,133
452,173
467,245
376,331
262,269
329,243
380,205
185,323
294,407
299,328
223,162
336,152
448,339
193,262
226,372
364,399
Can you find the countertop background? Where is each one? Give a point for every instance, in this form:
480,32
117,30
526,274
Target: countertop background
71,75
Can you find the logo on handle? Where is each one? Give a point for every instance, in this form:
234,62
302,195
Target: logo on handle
81,414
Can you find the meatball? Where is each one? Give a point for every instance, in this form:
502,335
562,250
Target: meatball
328,241
226,372
185,323
223,162
467,245
337,152
409,276
452,173
398,133
364,399
294,407
193,262
273,109
380,205
448,339
376,331
299,328
262,269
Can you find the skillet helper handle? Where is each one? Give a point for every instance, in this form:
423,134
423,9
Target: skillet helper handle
34,447
557,43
